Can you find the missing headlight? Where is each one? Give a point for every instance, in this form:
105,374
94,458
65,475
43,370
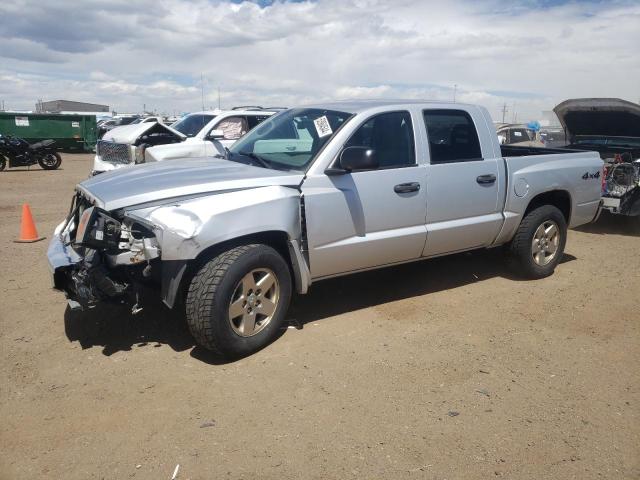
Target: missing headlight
97,229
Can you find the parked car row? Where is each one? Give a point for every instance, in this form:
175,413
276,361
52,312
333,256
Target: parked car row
310,193
198,134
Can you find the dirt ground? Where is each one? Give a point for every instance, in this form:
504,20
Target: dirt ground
445,369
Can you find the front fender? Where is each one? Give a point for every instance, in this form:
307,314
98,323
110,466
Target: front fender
186,228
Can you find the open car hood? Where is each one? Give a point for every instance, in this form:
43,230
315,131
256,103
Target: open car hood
602,117
130,133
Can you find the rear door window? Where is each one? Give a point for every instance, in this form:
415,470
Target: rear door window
192,124
255,120
233,127
452,136
520,135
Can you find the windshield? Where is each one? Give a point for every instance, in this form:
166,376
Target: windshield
521,135
291,139
192,124
126,120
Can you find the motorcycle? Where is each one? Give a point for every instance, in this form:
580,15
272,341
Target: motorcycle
17,152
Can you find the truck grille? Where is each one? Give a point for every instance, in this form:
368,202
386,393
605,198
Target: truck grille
113,152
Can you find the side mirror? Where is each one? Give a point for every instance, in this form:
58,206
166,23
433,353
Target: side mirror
358,158
216,135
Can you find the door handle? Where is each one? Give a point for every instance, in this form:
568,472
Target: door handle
486,179
407,187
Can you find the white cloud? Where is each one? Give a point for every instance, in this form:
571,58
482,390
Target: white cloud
127,54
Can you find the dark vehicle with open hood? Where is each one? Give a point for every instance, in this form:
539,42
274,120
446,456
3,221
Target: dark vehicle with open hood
16,152
611,127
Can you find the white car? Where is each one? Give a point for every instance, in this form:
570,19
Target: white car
191,136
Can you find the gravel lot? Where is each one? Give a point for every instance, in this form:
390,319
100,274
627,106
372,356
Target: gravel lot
444,369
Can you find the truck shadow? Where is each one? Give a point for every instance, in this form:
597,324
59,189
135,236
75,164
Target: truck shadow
362,290
609,224
115,329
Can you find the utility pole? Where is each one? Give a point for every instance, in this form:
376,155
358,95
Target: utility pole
455,88
202,89
504,112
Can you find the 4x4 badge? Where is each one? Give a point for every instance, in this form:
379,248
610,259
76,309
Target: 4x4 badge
588,175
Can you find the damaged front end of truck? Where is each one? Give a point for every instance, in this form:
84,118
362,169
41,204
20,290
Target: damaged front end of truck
146,226
102,256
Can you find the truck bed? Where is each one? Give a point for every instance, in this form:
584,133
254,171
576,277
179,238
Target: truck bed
515,151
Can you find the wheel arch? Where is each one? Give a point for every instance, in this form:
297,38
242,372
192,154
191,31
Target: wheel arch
561,199
277,239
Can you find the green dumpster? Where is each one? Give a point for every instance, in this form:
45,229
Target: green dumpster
71,132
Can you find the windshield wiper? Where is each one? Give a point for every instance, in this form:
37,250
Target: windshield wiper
261,161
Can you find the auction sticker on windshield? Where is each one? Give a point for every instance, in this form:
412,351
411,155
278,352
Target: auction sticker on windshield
322,126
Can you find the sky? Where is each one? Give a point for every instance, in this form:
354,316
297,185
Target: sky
526,54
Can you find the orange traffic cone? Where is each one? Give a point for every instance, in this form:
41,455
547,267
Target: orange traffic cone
28,232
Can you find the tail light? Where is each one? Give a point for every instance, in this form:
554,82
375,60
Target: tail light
604,180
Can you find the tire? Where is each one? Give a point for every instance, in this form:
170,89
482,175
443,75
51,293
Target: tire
223,287
535,255
3,163
50,161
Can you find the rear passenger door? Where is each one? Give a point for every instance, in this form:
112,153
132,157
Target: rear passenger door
464,182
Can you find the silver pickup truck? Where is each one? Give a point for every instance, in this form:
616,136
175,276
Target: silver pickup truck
313,193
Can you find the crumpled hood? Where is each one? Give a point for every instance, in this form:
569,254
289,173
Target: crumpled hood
130,133
606,117
190,148
152,182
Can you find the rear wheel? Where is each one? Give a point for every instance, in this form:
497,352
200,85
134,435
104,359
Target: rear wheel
50,161
237,302
538,245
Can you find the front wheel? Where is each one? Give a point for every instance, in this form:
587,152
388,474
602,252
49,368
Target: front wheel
50,160
538,245
236,303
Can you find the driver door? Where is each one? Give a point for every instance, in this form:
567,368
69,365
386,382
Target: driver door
365,219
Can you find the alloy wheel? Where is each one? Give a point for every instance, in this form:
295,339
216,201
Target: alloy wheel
254,302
